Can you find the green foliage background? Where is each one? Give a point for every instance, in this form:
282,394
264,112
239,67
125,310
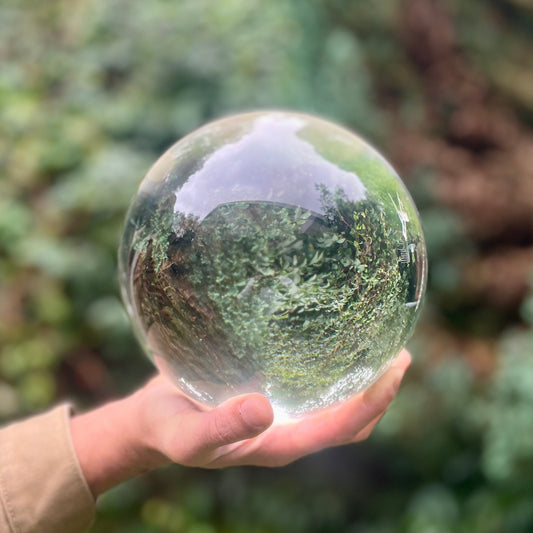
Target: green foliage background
91,92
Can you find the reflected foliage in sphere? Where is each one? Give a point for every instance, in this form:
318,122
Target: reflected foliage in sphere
272,252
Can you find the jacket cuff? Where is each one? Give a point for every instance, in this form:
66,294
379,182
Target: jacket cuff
42,487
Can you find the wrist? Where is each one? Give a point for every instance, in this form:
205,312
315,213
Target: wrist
142,435
111,444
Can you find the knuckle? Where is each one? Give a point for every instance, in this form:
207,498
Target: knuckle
186,454
190,457
222,431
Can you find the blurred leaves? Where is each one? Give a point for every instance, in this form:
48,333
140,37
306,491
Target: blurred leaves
91,92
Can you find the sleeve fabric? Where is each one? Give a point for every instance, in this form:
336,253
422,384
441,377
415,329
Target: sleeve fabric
42,487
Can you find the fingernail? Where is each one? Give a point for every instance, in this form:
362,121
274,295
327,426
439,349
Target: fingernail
256,416
402,360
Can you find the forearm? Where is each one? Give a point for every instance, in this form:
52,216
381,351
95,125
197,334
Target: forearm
110,444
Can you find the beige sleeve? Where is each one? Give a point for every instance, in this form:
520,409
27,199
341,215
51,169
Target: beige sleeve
42,488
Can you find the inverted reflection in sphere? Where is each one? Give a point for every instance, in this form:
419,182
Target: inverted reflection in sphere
272,252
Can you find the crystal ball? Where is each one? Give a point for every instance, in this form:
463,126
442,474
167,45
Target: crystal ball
272,252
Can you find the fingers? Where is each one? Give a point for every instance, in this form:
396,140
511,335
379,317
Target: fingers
238,419
354,419
403,360
224,436
378,397
235,420
367,431
399,366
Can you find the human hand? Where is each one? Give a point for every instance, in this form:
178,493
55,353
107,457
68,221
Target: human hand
235,433
158,425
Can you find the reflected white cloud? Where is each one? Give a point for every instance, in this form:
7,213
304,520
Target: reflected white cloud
271,163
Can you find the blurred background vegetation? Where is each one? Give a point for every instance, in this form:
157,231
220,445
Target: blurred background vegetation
92,91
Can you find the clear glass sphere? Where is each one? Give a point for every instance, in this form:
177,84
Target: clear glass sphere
272,252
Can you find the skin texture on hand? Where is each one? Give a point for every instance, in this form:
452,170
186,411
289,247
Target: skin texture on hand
158,425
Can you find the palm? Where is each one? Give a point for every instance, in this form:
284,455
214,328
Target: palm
218,438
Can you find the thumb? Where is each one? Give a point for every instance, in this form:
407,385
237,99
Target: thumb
239,418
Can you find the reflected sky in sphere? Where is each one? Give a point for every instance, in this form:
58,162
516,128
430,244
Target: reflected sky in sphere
272,252
242,171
